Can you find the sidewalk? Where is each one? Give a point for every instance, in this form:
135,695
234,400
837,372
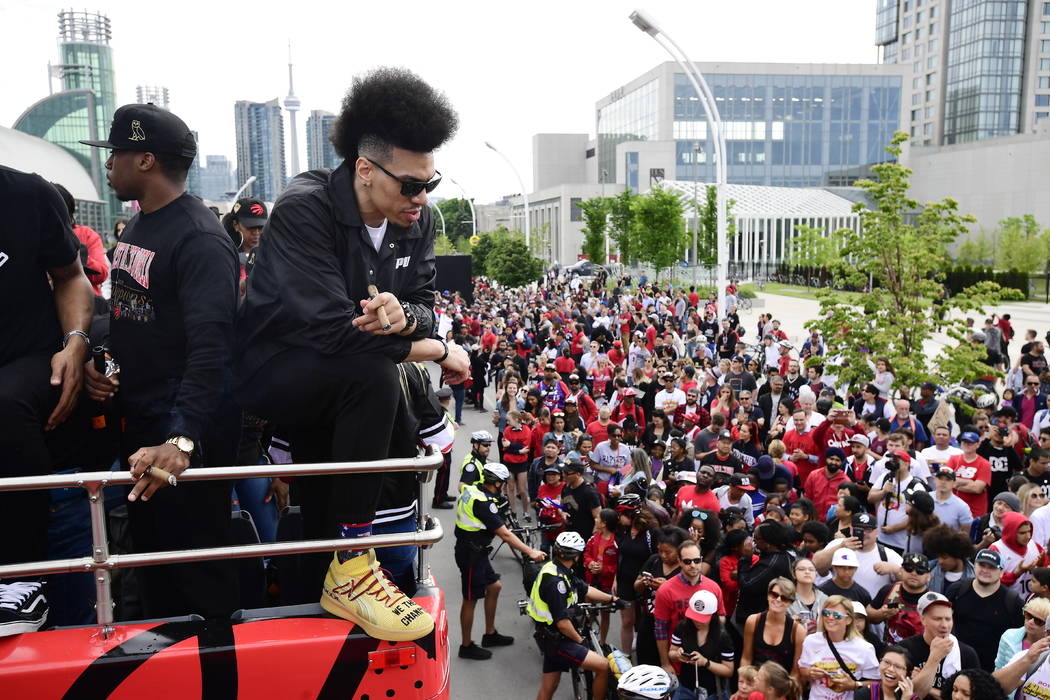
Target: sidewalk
794,312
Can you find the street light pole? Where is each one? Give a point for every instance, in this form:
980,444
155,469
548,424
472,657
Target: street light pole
524,193
246,185
714,125
444,231
473,214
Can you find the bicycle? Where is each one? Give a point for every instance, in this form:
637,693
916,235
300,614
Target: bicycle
585,619
744,304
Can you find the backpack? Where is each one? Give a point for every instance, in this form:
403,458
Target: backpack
906,623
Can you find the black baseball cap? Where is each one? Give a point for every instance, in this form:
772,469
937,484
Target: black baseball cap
150,129
249,212
864,521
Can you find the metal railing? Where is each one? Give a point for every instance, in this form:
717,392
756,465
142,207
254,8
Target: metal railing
101,562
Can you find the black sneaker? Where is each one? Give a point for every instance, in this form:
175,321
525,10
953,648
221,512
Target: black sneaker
23,607
496,640
474,652
444,505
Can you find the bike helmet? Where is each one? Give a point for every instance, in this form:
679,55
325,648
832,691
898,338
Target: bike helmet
569,544
629,503
481,436
986,400
647,683
494,472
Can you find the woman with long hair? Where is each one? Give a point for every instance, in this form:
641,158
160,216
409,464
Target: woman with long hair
1031,497
705,529
657,570
894,681
809,600
641,463
781,422
636,542
775,683
774,635
748,445
724,403
701,646
838,661
921,519
658,430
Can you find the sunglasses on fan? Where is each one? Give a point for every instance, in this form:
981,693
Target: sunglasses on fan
411,188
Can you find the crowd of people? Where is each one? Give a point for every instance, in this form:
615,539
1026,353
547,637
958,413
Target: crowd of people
742,507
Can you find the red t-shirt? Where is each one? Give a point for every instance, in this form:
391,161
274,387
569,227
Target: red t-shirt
979,469
520,438
564,365
792,440
672,599
616,357
687,497
599,432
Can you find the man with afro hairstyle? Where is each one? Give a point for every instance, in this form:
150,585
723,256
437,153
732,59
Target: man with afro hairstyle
318,357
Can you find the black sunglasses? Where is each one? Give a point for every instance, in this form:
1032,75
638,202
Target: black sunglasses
915,568
698,560
411,188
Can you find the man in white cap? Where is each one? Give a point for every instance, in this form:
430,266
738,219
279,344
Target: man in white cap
936,653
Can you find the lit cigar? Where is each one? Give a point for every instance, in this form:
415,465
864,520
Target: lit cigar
158,473
373,292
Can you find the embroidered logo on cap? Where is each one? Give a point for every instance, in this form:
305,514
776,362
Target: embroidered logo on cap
136,131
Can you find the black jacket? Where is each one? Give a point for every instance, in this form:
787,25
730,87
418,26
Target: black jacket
314,265
754,580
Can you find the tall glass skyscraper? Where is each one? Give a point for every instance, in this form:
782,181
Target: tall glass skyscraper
84,108
979,68
319,150
259,130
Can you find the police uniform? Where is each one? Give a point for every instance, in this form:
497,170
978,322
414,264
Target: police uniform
470,472
477,519
555,590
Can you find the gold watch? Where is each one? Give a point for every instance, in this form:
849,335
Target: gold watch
182,443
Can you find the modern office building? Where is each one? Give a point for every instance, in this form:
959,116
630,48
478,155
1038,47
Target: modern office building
217,178
785,124
980,69
259,128
319,150
83,108
157,94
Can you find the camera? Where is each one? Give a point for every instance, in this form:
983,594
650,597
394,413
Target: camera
893,464
1002,430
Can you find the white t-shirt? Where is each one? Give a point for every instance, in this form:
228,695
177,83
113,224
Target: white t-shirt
376,234
936,457
857,654
669,401
892,509
745,502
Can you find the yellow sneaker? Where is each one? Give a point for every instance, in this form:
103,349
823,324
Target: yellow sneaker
359,591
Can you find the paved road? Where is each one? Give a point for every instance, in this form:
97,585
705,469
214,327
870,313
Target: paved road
513,673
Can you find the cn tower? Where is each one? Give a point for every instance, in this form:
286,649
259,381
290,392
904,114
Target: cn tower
291,103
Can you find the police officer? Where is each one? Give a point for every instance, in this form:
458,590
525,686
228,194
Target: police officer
555,590
646,682
480,446
477,522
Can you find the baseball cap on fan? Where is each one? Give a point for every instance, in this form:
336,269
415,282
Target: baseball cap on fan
149,129
249,212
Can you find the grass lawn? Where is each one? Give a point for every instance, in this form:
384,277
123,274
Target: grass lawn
798,292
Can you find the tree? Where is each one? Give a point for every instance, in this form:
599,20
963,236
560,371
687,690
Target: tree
812,248
658,228
595,214
443,246
904,253
707,228
486,242
976,251
510,263
1021,245
621,225
458,218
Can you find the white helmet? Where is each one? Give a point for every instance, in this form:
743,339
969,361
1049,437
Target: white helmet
647,683
570,544
495,471
986,400
481,436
